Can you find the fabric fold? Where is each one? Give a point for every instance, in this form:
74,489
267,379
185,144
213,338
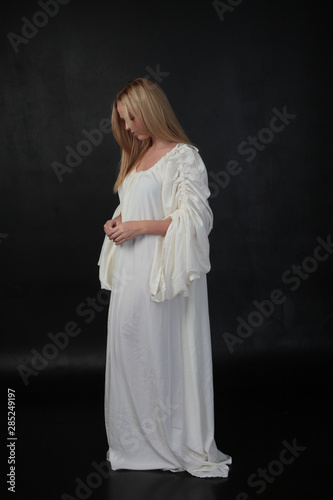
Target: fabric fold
107,258
182,255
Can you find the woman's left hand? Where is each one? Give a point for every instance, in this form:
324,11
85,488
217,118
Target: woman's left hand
126,231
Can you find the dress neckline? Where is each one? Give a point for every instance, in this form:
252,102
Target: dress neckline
162,158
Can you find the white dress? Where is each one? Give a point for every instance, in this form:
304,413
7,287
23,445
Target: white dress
159,410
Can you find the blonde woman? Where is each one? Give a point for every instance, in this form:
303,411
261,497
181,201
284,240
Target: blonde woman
158,389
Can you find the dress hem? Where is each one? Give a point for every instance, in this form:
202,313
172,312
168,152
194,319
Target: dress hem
218,470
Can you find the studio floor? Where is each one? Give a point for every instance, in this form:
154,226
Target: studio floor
278,434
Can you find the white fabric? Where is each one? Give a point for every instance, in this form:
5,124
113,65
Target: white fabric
159,410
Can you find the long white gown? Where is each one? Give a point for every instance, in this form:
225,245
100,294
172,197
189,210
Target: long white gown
159,411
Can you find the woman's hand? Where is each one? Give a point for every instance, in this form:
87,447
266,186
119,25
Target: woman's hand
110,224
120,232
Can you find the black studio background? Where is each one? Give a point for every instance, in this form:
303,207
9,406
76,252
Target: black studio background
227,75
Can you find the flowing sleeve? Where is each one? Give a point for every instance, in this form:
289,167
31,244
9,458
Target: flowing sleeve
106,259
182,255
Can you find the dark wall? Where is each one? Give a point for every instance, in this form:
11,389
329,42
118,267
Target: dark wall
228,75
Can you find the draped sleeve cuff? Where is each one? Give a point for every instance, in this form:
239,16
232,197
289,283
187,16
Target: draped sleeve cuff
182,255
107,257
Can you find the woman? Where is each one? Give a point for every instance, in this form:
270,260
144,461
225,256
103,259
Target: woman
155,256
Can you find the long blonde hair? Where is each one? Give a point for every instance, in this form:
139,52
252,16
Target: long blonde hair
148,103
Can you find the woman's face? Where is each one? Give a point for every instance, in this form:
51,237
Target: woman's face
133,126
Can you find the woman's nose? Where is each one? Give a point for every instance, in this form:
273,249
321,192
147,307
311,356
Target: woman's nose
126,126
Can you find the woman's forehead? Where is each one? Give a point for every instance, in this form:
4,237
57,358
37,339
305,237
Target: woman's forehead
123,108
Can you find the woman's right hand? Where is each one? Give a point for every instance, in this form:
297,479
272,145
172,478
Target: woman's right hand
112,223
